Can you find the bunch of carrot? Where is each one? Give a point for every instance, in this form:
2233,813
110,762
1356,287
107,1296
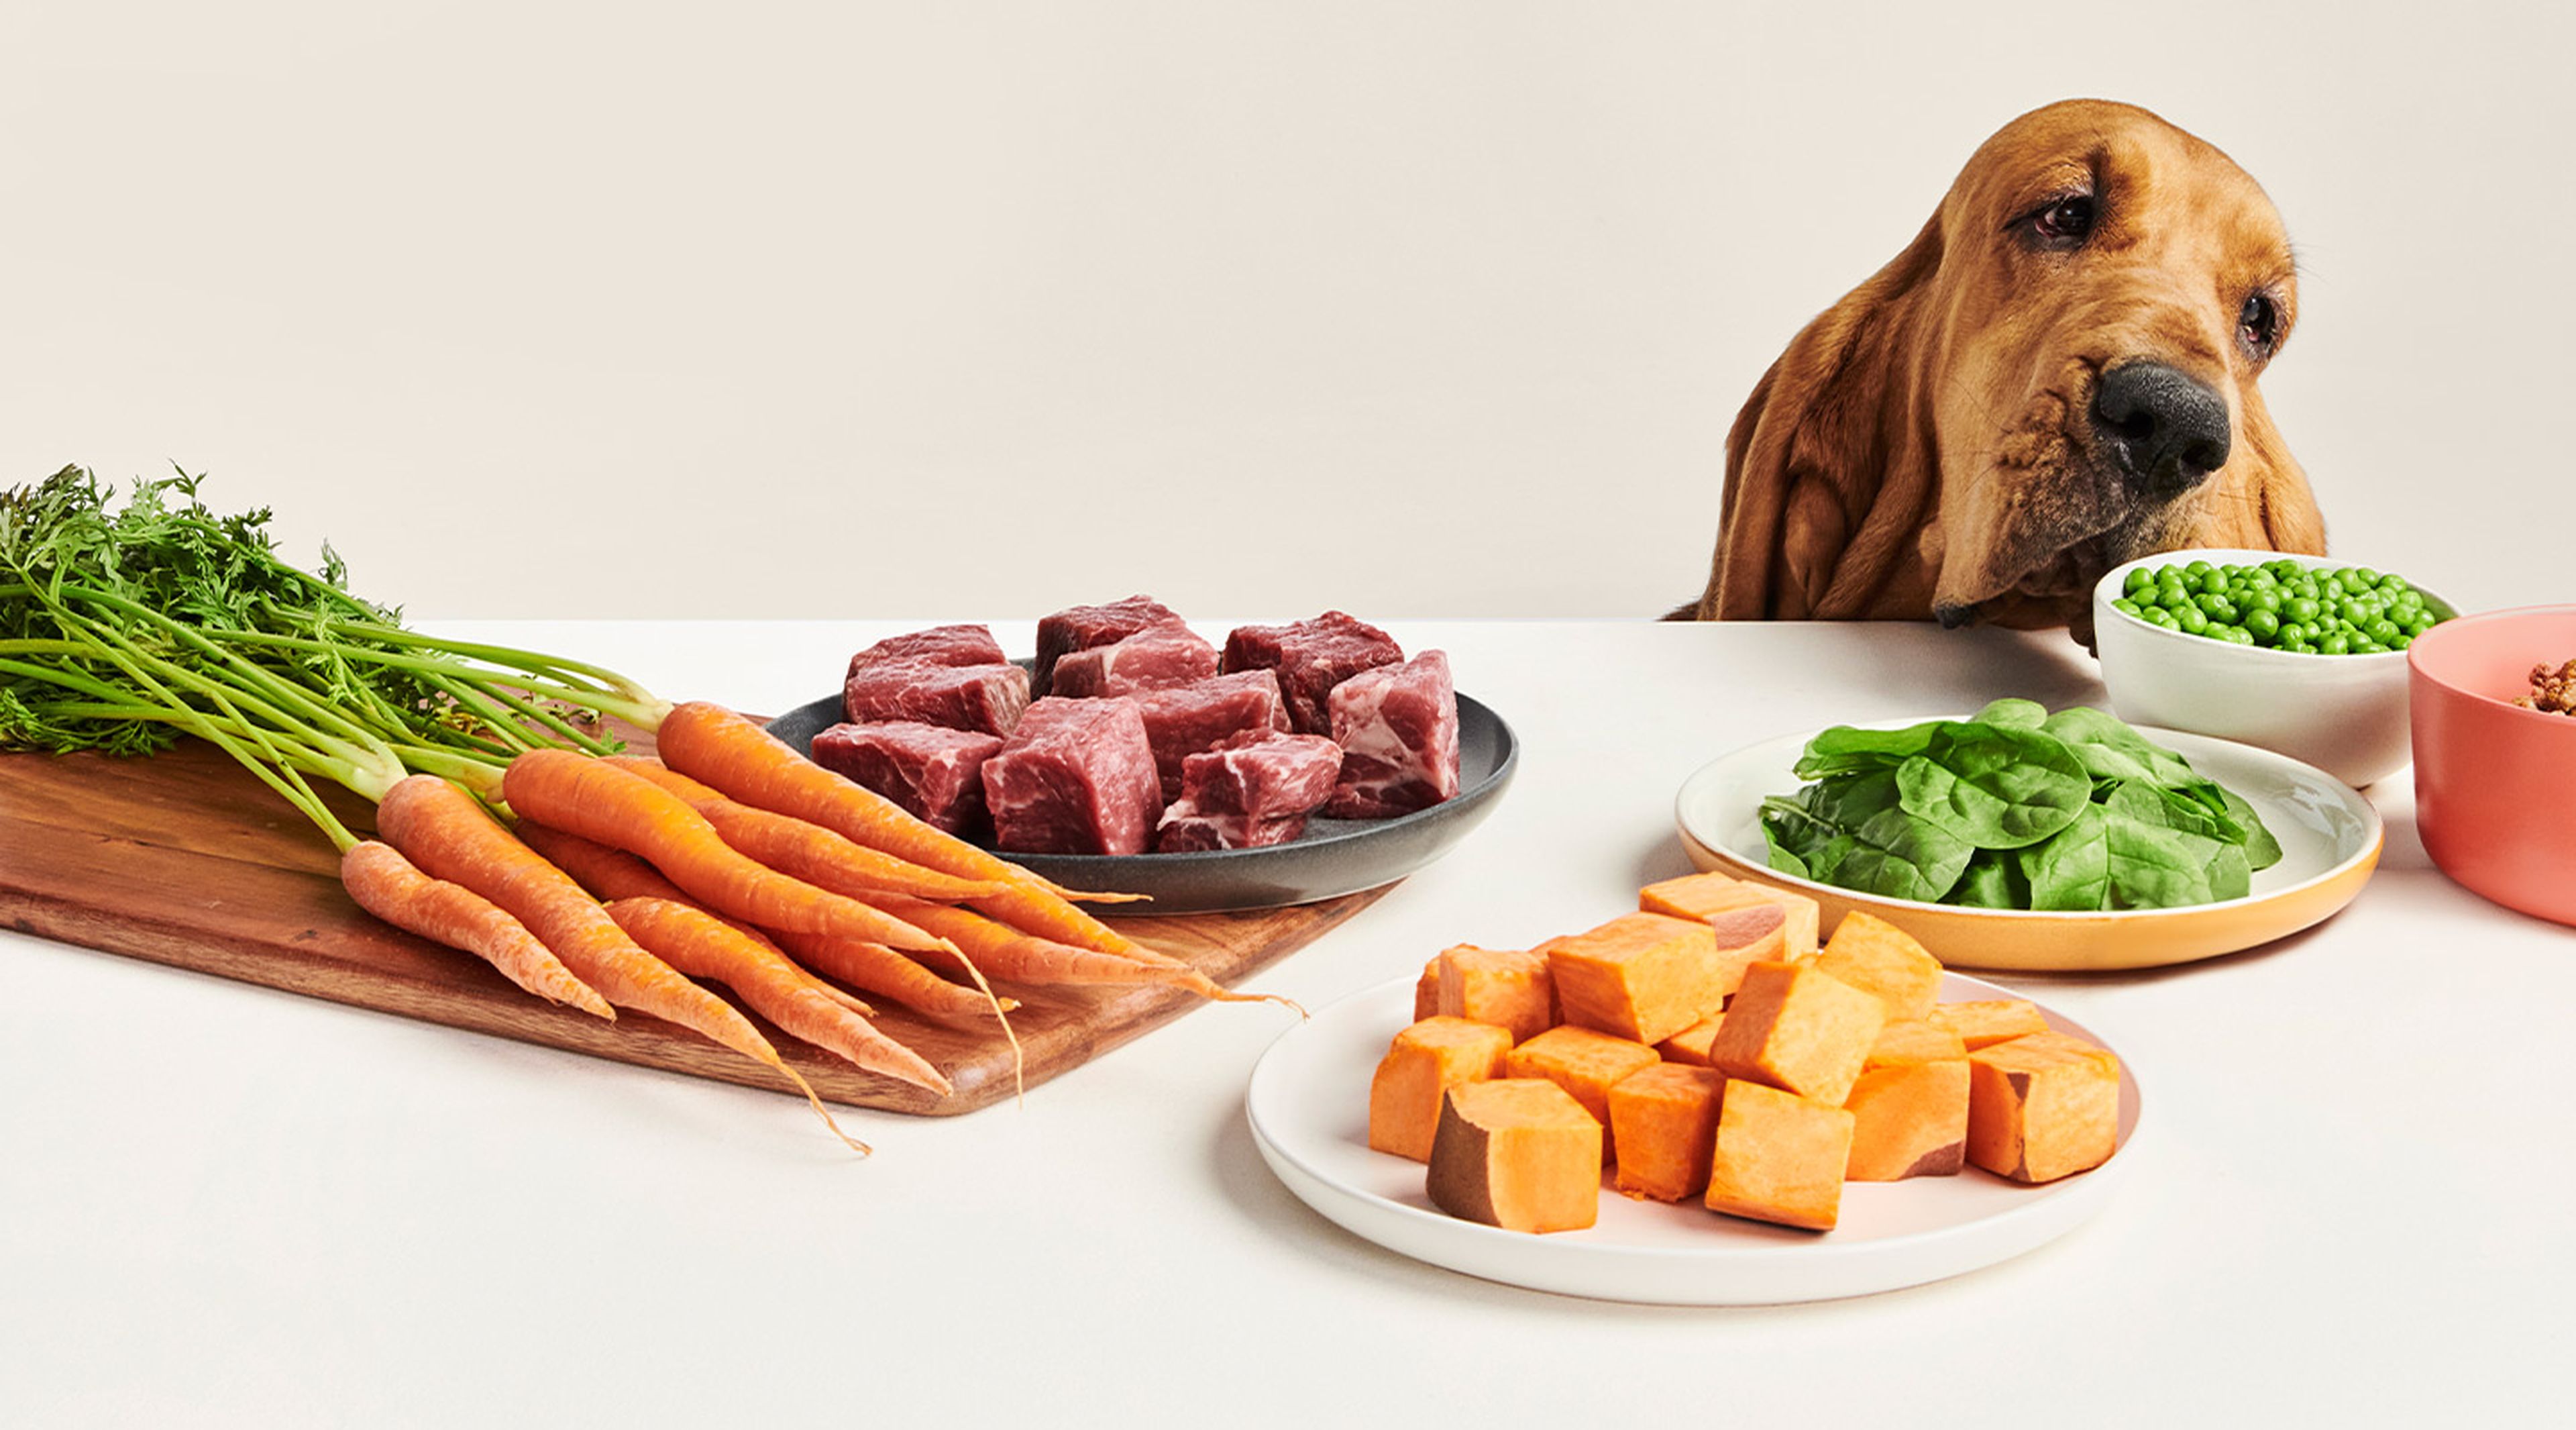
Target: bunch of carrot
508,825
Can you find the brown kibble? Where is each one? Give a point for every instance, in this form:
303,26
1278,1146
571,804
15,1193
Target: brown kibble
1424,1062
1517,1153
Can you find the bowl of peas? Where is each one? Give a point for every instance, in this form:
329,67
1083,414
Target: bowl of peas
2305,655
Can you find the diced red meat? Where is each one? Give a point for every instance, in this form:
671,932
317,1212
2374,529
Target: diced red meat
1147,660
1189,832
1312,657
988,698
1262,776
934,772
1082,627
939,645
1398,729
1076,777
1256,790
1182,720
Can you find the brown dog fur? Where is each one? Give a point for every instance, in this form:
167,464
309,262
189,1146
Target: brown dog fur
1924,448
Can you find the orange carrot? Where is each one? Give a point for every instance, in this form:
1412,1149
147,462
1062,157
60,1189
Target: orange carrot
746,763
611,874
1006,953
880,970
387,885
809,851
697,943
442,830
581,795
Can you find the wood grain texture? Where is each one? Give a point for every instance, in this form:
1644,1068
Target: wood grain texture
185,859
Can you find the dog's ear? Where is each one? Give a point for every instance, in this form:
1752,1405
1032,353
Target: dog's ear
2291,521
1829,463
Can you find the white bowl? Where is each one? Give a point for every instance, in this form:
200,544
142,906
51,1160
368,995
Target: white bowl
2344,714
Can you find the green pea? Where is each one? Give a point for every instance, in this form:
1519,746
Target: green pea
2218,608
2368,576
2192,619
2138,579
2158,615
2197,569
2404,639
2353,613
2301,609
2262,625
2396,585
2335,643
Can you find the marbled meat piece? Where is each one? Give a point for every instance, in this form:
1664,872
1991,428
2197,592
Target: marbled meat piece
1185,831
1082,627
1311,657
1398,729
988,698
935,773
1255,790
939,645
1076,777
1147,660
1181,720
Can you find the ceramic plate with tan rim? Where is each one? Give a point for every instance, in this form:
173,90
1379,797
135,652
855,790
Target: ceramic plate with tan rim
1308,1106
2330,839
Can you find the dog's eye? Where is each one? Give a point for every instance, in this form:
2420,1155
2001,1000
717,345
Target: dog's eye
2258,323
2067,220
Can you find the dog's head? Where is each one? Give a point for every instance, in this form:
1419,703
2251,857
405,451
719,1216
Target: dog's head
2058,374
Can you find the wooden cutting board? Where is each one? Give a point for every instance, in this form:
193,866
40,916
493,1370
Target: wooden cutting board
183,858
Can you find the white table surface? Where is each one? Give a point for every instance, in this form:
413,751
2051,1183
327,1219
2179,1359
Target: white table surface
225,1205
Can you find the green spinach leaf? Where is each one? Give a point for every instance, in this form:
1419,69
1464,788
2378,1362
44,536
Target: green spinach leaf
2072,869
1995,786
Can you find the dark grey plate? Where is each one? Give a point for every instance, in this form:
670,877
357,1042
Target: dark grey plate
1333,857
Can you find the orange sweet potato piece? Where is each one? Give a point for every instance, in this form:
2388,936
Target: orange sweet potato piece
1690,1045
1585,1063
1639,976
1703,896
1425,1061
1870,953
1910,1106
1987,1021
1800,1029
1778,1157
1508,989
1426,991
2042,1107
1664,1120
1517,1153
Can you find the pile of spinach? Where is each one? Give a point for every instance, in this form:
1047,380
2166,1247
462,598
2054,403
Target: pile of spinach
2015,808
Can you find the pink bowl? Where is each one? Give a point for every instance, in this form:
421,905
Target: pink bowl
2494,782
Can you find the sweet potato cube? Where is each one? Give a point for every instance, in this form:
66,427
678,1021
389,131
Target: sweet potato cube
2042,1107
1798,1028
1664,1120
1870,953
1756,933
1503,987
1585,1063
1640,976
1704,896
1987,1021
1426,990
1778,1157
1690,1045
1910,1107
1426,1060
1517,1153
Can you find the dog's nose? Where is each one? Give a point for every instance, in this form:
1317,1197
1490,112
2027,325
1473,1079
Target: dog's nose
2168,428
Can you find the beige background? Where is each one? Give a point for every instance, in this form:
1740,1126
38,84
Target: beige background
902,310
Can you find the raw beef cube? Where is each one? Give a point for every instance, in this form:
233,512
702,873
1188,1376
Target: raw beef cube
1265,775
1184,832
1312,657
939,645
1398,729
1082,627
1076,777
935,773
1147,660
1253,791
988,698
1182,720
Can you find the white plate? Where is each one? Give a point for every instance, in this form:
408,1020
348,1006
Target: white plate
2330,839
1308,1105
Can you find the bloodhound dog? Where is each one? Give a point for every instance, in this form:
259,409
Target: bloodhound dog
2056,376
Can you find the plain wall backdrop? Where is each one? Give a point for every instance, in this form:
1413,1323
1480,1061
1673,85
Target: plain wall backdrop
965,309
